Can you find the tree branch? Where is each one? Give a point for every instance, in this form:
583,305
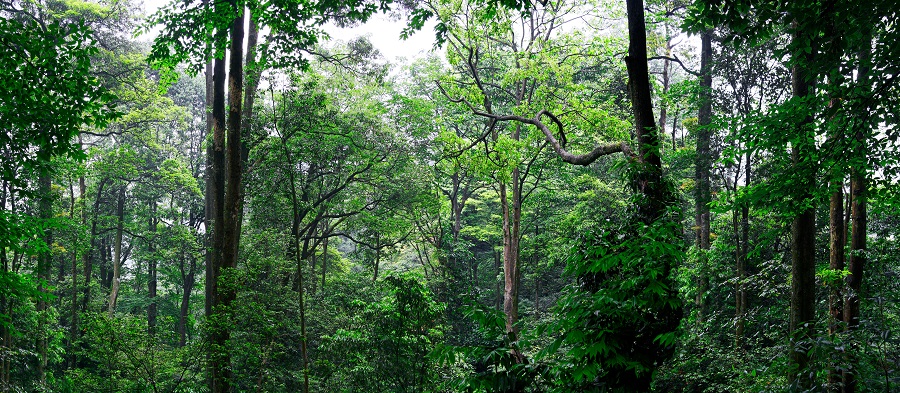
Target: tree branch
675,60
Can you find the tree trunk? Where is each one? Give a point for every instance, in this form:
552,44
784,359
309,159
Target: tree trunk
105,275
511,207
188,279
151,270
498,286
215,198
45,260
298,255
803,232
836,264
663,104
89,255
117,253
73,312
743,252
649,182
5,336
859,217
324,258
836,253
246,119
702,169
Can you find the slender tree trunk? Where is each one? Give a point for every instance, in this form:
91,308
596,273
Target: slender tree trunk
324,258
151,269
73,313
803,232
663,104
45,261
5,344
117,253
743,250
836,264
246,120
188,279
836,253
298,255
105,276
498,290
377,260
89,254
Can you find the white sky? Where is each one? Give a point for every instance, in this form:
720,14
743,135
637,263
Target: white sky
381,31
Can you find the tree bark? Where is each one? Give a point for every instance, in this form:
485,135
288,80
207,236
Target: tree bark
803,229
510,255
45,260
229,238
73,312
835,264
858,195
188,279
649,182
663,104
117,253
702,169
89,255
836,253
324,258
218,359
151,270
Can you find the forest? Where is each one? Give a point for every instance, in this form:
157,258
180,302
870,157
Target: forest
557,196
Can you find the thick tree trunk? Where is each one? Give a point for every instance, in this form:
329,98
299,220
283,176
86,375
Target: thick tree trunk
117,253
233,170
803,233
702,169
858,195
649,182
215,198
856,263
512,212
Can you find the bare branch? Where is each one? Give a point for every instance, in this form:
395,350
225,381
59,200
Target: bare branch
676,60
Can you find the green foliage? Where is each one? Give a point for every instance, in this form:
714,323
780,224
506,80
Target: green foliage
119,355
621,316
48,94
494,362
385,346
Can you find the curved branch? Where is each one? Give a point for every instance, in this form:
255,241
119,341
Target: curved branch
559,148
675,60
